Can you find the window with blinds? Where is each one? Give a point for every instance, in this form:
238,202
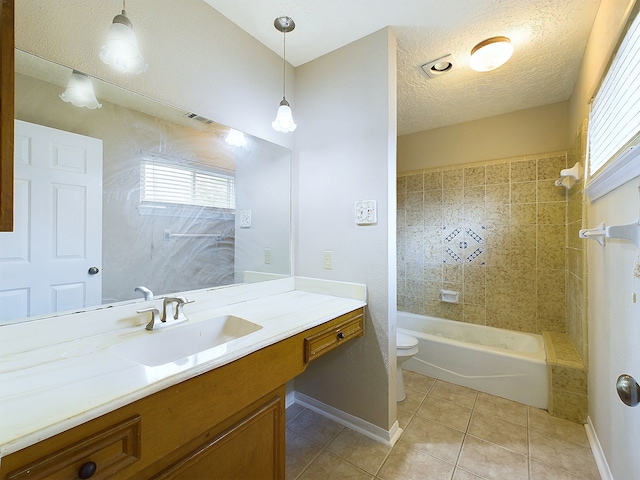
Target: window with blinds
614,123
165,183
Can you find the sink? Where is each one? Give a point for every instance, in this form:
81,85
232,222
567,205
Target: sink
172,344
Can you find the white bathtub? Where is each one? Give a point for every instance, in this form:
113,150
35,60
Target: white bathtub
500,362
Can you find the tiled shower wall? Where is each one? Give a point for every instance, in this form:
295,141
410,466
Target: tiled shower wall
495,233
576,254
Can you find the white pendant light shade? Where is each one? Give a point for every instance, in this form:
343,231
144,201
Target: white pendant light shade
121,51
284,119
80,92
491,54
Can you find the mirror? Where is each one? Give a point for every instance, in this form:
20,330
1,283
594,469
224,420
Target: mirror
181,208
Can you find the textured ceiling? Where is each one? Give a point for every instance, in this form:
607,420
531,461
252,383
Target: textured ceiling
549,37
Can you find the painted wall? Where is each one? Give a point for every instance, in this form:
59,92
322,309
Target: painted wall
612,316
345,151
197,58
524,132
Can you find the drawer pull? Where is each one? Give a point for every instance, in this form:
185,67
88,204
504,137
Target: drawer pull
87,470
340,335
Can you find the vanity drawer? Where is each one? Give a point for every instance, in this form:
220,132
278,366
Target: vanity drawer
110,450
335,333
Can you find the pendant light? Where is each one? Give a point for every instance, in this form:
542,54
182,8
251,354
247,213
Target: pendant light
121,51
80,92
284,119
490,54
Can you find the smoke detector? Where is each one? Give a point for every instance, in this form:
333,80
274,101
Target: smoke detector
439,66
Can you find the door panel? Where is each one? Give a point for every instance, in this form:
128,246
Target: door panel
44,263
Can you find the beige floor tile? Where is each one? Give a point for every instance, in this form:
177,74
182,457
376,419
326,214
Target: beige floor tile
328,466
314,427
415,381
433,438
359,450
499,431
293,411
463,396
508,410
445,412
464,475
407,463
563,454
491,461
412,401
540,471
300,453
541,421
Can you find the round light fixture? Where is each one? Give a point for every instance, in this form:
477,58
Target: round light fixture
490,54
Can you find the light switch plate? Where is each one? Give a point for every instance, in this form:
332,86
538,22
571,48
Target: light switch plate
245,218
366,212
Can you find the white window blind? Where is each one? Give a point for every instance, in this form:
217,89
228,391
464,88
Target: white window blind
168,183
614,122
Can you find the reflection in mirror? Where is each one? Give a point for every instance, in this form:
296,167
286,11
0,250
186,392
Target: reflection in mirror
180,208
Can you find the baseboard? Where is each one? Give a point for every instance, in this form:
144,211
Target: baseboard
387,437
598,454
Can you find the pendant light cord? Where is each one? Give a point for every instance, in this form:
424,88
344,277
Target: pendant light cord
284,63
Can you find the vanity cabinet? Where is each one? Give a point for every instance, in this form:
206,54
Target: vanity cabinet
226,423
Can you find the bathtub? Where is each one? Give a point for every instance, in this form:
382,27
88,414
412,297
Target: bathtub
500,362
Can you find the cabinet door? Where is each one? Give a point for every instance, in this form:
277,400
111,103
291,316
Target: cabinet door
253,448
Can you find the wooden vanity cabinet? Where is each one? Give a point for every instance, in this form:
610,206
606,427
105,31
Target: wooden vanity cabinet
228,423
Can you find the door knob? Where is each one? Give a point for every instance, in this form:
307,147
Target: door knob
93,270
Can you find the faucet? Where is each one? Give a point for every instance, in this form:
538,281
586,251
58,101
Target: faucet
148,294
178,313
168,301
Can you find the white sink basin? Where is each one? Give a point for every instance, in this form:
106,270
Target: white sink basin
169,345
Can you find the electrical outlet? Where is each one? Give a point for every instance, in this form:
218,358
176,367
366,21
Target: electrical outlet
326,260
267,256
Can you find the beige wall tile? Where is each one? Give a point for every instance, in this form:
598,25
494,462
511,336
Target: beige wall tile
415,183
524,171
433,181
474,195
572,380
551,213
523,192
452,178
474,176
498,194
523,214
548,191
497,173
549,168
476,314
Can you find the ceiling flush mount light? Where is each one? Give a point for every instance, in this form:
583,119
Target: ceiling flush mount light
80,92
284,119
121,51
490,54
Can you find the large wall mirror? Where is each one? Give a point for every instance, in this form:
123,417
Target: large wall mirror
133,192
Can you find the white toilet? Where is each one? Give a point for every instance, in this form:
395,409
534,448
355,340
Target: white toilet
406,347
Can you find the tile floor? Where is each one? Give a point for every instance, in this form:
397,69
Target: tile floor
450,432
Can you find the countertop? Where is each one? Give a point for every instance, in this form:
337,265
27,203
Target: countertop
57,372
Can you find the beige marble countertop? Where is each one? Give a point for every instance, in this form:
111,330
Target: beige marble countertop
58,372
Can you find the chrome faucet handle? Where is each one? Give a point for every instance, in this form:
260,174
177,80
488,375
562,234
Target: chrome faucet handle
182,301
155,316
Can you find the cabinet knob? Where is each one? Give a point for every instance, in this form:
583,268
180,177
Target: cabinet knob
340,335
87,470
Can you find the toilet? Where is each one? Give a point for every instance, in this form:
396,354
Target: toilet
406,347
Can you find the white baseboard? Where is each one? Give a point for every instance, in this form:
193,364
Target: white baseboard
598,454
387,437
